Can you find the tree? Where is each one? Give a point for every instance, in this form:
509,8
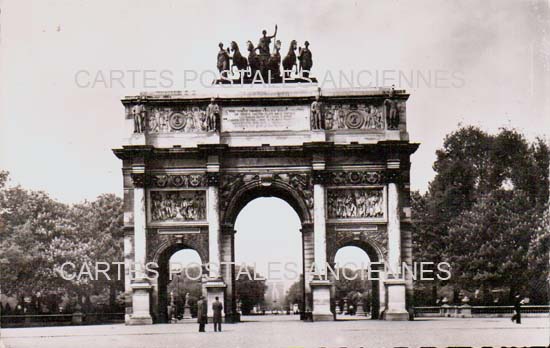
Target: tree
539,259
39,234
490,241
92,235
250,288
349,281
294,294
475,174
30,220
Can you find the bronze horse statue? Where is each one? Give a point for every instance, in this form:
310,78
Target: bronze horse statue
274,62
253,59
289,61
238,60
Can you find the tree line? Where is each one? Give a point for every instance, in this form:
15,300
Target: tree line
486,213
39,234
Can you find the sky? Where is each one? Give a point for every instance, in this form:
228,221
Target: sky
60,113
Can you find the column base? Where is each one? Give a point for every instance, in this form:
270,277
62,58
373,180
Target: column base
322,317
187,312
232,318
215,288
320,289
140,320
395,307
396,316
140,315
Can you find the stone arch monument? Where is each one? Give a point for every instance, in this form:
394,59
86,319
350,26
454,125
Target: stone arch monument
192,161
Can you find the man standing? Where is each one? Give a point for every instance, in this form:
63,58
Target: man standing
202,313
217,308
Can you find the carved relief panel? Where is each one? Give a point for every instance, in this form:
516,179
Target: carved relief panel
190,119
176,206
354,116
356,203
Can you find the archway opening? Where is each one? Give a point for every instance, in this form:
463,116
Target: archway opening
356,294
179,284
268,245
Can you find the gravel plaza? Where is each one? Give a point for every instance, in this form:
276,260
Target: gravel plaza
285,332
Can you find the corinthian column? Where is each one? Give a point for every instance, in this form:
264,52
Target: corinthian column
395,283
320,286
213,215
140,284
215,286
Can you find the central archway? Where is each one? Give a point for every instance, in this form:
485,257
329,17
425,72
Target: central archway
295,190
268,240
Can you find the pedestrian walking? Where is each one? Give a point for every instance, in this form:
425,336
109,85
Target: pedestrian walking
517,309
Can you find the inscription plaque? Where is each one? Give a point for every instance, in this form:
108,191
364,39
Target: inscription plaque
265,118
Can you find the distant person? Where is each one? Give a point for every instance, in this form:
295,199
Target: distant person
217,308
202,318
517,309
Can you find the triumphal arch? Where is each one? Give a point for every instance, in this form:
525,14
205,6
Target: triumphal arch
339,157
191,162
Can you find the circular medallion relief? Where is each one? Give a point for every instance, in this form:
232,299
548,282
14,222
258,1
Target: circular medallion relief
354,120
177,121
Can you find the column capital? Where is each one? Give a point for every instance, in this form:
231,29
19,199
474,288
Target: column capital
393,176
320,177
138,179
213,178
227,229
307,228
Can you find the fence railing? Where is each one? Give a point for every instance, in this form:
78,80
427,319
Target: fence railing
467,311
27,320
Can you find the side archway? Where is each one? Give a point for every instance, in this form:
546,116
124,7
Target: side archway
375,255
161,299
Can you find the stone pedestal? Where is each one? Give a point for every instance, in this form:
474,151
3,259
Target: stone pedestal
360,311
140,303
465,311
187,312
395,308
215,288
76,318
321,300
318,135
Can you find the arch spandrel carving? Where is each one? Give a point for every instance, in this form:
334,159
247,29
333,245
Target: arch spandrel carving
237,190
159,243
373,242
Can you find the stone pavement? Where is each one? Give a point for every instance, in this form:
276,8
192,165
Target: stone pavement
259,332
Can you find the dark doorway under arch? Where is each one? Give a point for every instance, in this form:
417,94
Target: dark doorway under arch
171,306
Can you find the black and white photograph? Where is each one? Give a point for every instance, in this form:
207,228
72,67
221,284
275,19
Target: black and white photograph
274,174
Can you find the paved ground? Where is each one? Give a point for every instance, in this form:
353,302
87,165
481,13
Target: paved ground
281,333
